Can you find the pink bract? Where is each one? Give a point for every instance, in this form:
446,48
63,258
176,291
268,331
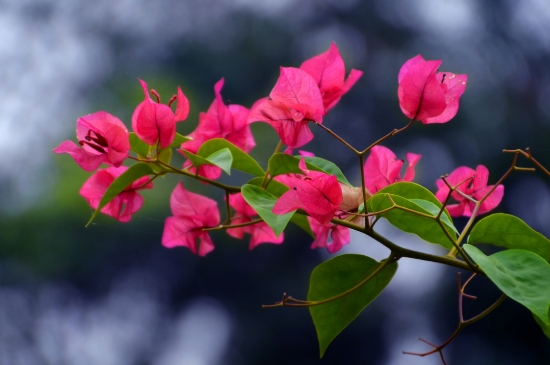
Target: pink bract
328,71
426,95
124,204
339,236
154,122
259,232
315,192
220,121
102,137
473,183
382,168
192,212
294,101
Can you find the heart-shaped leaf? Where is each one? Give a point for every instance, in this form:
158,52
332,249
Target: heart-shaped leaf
511,232
241,160
334,277
426,228
522,275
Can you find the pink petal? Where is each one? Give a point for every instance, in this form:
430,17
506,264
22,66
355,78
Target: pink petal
416,60
481,178
340,236
145,89
180,231
321,232
420,94
241,135
287,202
456,210
108,127
186,204
278,115
262,233
492,200
381,168
327,69
237,202
456,85
86,160
182,108
412,159
295,86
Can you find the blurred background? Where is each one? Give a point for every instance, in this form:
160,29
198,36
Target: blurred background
111,294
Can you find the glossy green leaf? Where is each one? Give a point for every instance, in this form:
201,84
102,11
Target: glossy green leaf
277,189
120,183
545,328
326,166
334,277
241,160
165,155
511,232
178,140
410,190
281,163
138,146
426,228
434,210
221,158
263,202
522,275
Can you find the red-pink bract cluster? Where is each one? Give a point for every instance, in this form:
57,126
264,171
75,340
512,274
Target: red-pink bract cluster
473,183
300,96
427,95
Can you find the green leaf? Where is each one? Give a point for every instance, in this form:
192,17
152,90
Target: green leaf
434,210
522,275
508,231
263,202
138,146
326,166
281,163
241,160
120,183
426,228
178,140
334,277
277,189
410,190
545,328
165,155
221,158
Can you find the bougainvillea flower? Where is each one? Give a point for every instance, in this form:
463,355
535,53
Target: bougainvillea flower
220,121
328,71
427,95
339,236
153,121
382,168
473,183
192,212
317,193
103,138
124,204
294,101
259,232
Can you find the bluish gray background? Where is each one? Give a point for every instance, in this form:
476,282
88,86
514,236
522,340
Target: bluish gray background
111,294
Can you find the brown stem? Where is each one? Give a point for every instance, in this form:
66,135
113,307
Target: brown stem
391,134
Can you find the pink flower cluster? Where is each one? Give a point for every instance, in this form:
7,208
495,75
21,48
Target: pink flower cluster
300,96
